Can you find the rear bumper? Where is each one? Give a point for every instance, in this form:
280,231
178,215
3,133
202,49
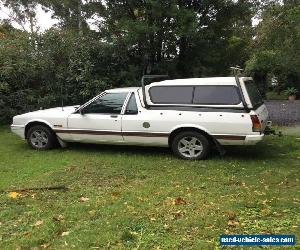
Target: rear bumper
253,139
18,130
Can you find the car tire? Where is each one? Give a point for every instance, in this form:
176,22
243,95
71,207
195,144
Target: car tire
190,145
41,137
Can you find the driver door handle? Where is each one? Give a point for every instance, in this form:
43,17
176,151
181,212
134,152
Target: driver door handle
114,116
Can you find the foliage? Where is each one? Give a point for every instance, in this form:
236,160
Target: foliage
273,95
180,38
291,91
32,75
118,198
134,38
276,44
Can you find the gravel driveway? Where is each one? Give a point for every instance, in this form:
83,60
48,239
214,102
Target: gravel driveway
284,112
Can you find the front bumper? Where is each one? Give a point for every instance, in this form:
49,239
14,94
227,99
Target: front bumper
18,130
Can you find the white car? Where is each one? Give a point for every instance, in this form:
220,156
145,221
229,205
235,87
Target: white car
188,115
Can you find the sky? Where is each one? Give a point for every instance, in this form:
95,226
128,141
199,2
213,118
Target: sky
44,20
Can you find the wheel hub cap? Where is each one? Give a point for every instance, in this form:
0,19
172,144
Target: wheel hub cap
39,139
190,146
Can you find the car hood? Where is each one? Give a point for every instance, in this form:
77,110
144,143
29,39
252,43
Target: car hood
60,110
53,114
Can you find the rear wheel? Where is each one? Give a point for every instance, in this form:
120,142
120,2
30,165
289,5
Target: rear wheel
40,137
191,145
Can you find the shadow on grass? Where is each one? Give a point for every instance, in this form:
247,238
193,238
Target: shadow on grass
262,151
126,149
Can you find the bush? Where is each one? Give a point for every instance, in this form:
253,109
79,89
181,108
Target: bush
34,68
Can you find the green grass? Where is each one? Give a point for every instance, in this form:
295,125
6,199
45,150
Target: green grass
145,197
273,95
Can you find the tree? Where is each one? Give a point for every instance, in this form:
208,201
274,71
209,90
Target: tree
186,38
22,11
277,44
72,14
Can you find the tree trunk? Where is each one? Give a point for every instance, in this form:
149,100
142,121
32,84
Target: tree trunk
183,68
80,32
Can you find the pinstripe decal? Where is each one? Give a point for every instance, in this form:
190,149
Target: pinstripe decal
141,134
103,132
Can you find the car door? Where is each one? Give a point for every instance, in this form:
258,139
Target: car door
100,120
142,126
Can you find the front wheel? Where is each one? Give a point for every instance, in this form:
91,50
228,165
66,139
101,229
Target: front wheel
40,137
191,145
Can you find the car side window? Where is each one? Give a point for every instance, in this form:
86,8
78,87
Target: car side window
216,95
131,108
171,94
110,103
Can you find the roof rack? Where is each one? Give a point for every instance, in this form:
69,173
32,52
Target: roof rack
236,71
143,85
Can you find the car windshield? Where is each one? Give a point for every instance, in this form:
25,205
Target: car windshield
254,95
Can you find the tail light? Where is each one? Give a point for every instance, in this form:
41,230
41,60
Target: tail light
256,125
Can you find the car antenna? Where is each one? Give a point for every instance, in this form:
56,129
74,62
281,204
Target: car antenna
143,85
236,72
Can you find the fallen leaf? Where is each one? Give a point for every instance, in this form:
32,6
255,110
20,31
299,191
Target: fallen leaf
232,223
180,201
142,198
130,207
176,215
58,217
114,194
65,233
83,199
265,211
45,245
265,202
231,215
13,195
39,222
26,234
92,212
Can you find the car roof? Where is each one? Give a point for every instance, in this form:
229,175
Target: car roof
200,81
187,81
127,89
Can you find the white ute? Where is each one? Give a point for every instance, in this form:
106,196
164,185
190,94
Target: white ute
188,115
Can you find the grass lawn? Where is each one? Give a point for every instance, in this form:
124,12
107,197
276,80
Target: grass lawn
128,197
273,95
